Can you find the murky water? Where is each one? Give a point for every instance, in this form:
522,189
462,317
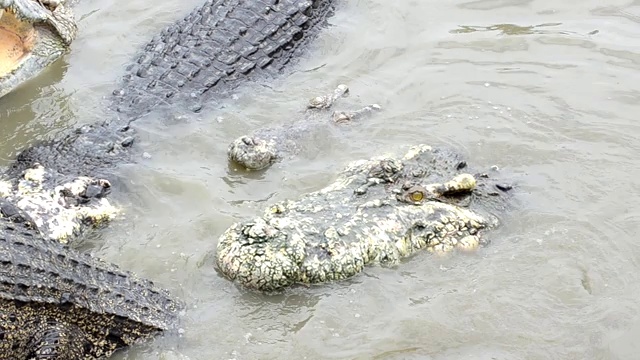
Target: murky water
547,90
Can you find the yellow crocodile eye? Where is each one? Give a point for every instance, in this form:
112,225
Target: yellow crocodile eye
417,196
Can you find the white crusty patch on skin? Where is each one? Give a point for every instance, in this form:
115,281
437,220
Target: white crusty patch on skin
54,217
5,189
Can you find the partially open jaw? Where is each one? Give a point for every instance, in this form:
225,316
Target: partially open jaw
33,34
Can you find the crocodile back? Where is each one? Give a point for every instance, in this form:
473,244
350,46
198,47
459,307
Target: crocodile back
215,48
36,270
195,61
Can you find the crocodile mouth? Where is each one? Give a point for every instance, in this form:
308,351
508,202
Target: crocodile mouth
17,40
33,35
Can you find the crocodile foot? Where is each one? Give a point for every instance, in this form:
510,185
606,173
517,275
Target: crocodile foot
341,117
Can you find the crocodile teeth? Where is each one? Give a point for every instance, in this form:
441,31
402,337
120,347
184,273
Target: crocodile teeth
1,13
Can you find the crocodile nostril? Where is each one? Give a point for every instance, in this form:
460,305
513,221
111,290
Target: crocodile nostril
248,141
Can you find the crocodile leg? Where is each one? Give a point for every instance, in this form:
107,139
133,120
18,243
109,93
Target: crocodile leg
326,101
347,116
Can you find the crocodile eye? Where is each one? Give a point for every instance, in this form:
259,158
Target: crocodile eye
417,196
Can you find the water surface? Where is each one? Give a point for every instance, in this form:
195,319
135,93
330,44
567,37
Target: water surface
547,90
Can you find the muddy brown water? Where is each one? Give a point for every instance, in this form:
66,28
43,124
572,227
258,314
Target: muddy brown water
547,90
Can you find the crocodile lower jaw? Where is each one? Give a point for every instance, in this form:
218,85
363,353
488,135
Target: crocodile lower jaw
17,39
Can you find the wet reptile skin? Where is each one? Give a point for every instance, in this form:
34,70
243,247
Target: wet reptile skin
196,61
58,304
378,210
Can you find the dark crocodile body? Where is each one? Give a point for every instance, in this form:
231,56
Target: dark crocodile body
57,302
217,47
196,61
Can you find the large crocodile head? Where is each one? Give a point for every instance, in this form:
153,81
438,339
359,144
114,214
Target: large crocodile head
33,34
377,211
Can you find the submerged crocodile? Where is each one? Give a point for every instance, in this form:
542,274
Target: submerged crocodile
266,146
33,34
377,211
56,303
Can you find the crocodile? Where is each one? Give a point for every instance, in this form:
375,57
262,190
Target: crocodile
378,210
57,303
264,147
33,35
192,63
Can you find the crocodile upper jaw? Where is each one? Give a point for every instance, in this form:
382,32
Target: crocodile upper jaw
32,37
